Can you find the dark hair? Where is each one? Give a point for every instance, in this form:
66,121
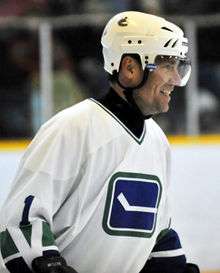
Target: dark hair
114,76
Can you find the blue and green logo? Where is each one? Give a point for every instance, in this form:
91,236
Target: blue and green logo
132,204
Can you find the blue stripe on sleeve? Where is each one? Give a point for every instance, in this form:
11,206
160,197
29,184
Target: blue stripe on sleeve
170,241
167,255
25,216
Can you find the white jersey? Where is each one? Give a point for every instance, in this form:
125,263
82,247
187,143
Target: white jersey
94,191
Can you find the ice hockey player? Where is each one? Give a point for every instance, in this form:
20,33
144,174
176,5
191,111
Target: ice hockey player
91,192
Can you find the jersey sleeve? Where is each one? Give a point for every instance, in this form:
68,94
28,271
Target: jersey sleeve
167,255
46,175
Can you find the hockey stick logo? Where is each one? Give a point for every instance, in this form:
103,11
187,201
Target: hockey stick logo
123,22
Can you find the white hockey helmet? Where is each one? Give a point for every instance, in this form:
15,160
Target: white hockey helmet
147,35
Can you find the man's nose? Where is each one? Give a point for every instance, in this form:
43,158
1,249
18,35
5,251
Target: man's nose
175,78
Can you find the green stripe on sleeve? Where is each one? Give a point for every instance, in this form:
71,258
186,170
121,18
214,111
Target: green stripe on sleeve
7,245
48,237
27,231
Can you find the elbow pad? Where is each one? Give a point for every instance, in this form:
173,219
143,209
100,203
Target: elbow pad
55,264
192,268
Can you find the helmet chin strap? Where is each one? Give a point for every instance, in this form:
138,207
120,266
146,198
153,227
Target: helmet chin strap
128,91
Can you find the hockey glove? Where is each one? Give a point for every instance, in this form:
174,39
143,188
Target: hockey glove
51,265
192,268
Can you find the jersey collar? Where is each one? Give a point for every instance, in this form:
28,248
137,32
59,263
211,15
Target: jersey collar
129,116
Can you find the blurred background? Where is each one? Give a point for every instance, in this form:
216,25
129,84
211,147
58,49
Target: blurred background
50,58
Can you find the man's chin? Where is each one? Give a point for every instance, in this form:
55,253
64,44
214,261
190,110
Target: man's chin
165,109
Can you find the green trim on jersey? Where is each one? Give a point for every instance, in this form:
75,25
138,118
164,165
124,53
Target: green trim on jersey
27,232
7,245
138,140
47,238
108,205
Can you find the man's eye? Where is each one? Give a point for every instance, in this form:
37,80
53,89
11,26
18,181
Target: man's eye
168,66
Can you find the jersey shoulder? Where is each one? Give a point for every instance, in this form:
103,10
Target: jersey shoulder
64,136
86,122
81,115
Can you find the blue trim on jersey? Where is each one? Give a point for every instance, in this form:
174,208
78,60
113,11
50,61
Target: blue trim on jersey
170,241
165,263
51,253
25,215
17,265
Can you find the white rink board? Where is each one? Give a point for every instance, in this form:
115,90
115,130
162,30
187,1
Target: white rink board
8,165
196,202
195,191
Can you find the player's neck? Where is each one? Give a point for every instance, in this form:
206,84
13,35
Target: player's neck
118,90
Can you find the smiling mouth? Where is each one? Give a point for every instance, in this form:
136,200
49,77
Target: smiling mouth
166,92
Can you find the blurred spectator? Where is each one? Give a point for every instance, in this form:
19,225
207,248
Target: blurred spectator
209,78
14,93
67,90
20,97
92,71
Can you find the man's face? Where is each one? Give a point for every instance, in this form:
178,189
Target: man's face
155,95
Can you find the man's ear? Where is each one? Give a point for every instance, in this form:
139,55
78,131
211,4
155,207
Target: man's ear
128,66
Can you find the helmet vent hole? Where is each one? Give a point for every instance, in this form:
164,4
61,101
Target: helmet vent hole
167,43
129,41
174,44
139,41
166,28
112,64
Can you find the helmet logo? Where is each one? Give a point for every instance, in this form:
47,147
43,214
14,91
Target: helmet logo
123,22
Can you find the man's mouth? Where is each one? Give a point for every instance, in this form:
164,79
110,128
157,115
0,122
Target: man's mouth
166,92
